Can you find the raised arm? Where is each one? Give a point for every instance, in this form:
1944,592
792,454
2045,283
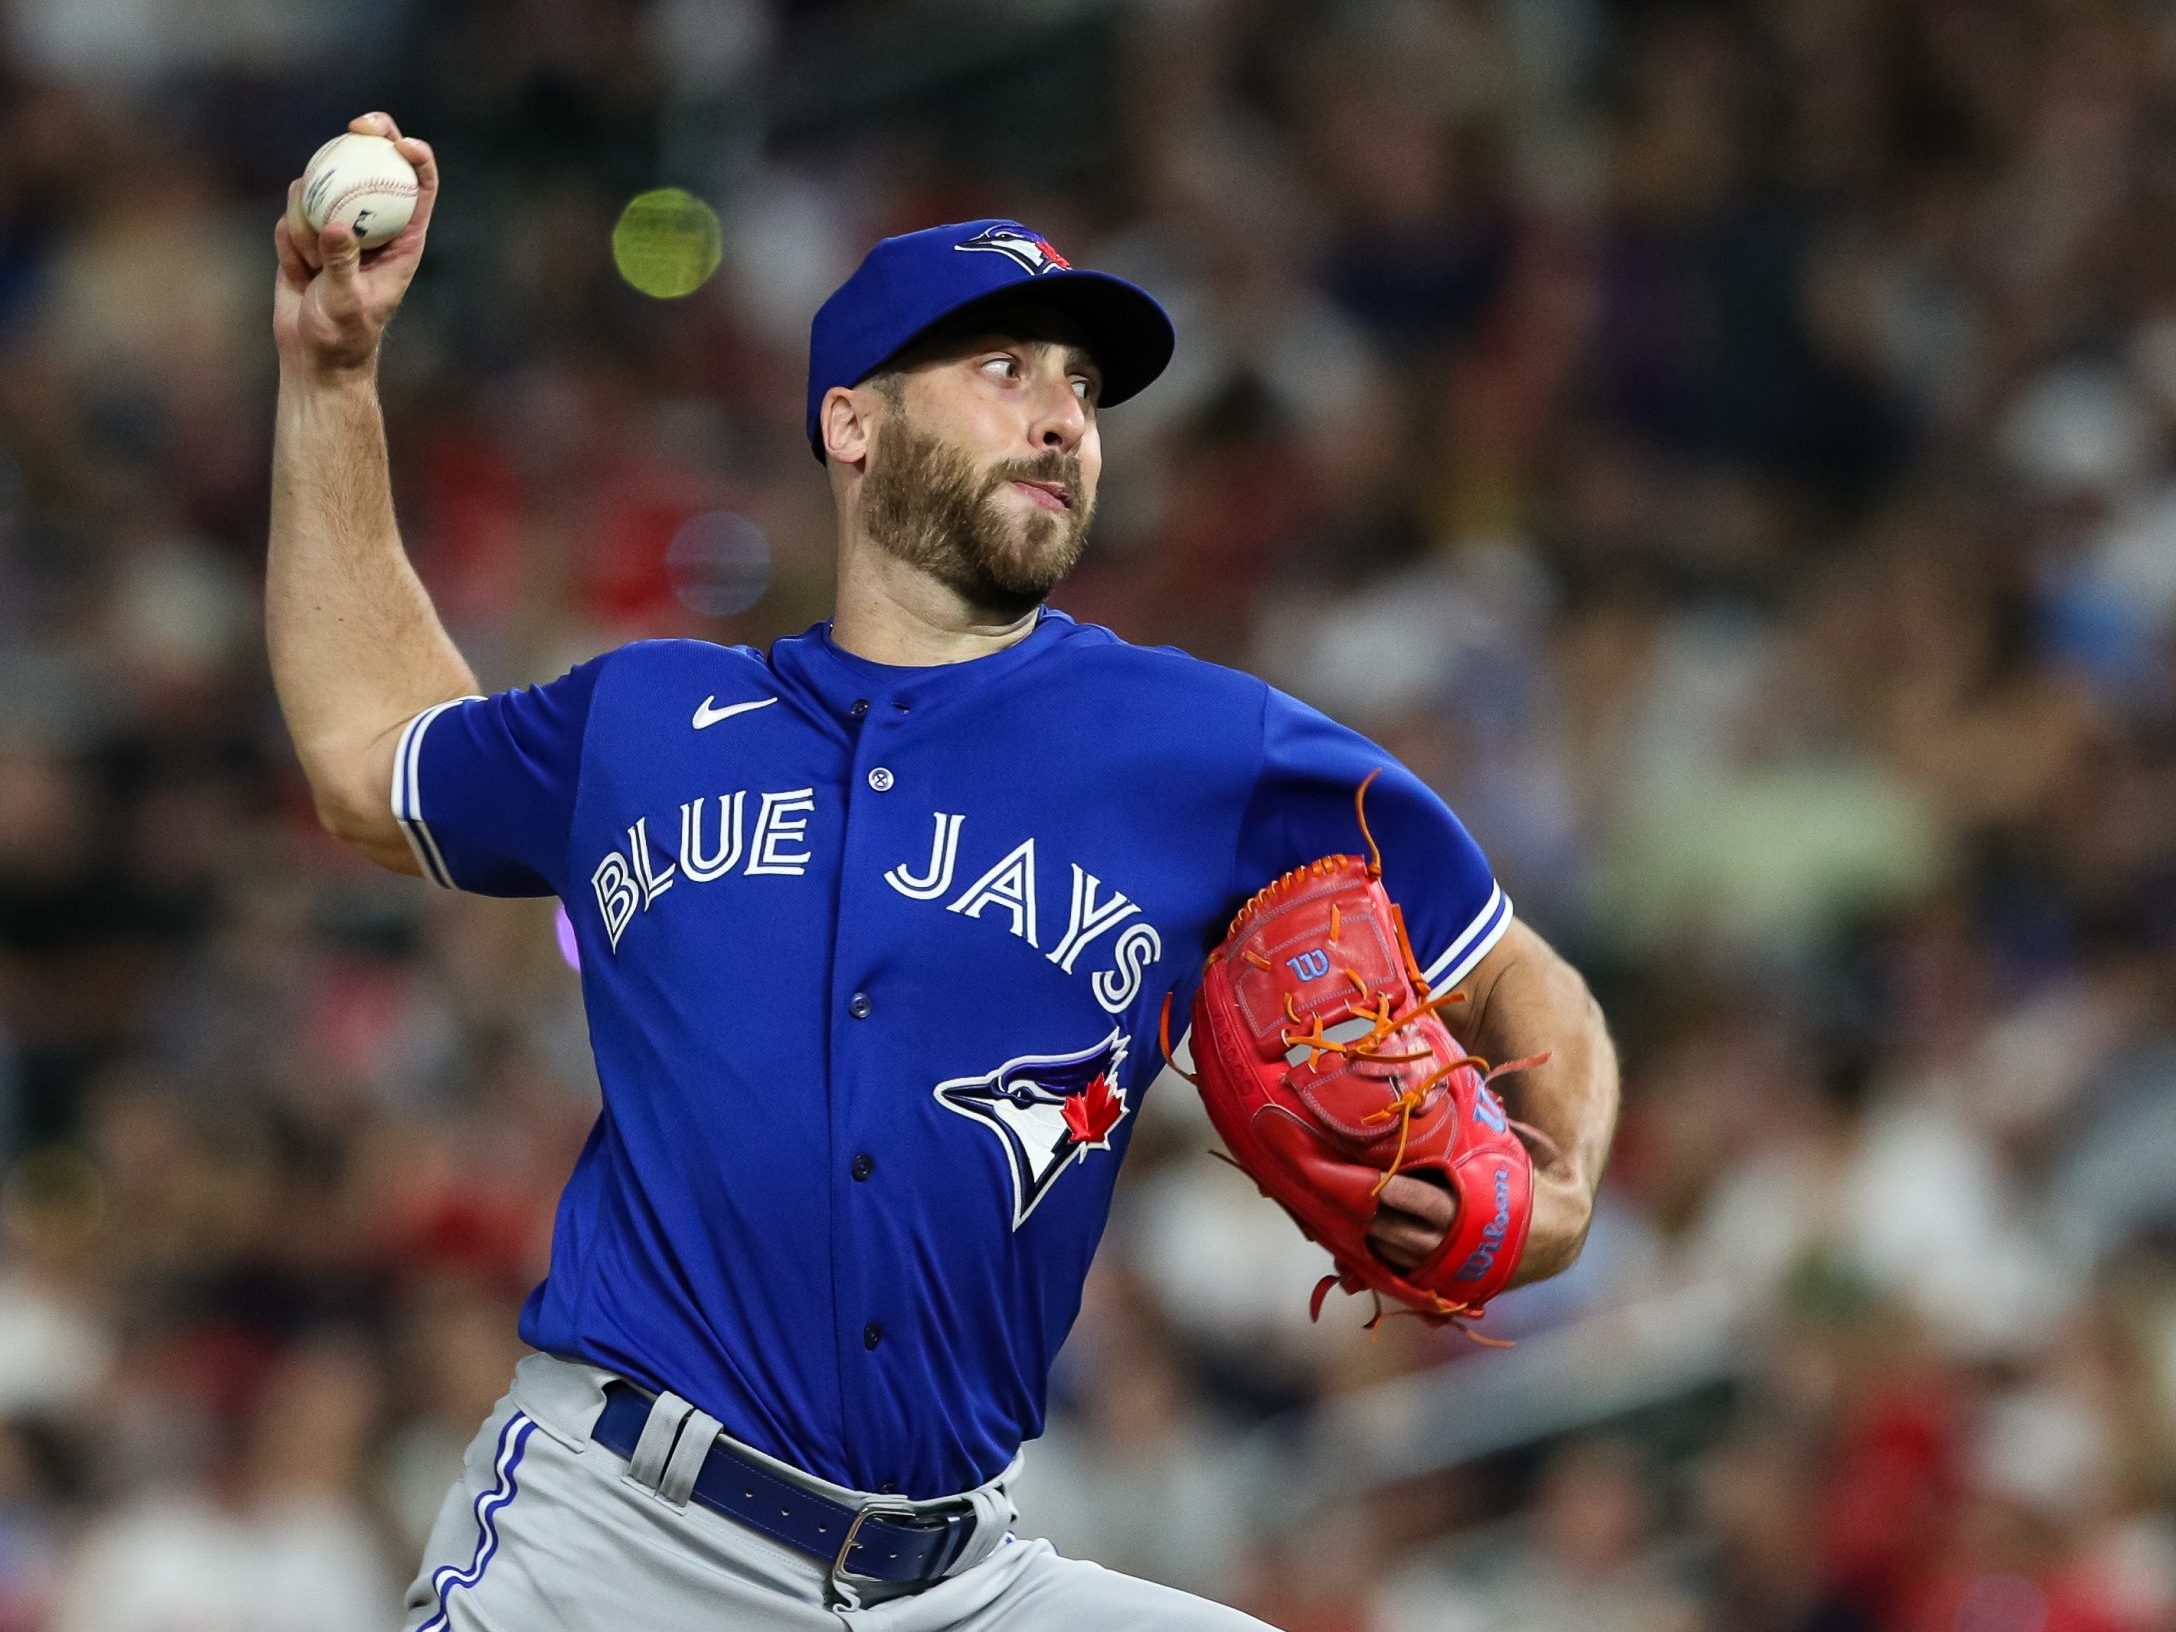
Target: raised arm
356,648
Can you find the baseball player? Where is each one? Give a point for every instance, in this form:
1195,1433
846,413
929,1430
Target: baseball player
875,927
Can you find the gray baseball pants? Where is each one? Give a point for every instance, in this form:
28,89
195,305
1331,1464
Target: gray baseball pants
549,1532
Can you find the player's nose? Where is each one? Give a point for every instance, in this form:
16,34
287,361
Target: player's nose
1060,418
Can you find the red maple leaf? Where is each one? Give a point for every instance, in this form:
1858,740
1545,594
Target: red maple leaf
1093,1112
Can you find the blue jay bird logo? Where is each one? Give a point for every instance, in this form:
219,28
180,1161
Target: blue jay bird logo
1047,1110
1009,239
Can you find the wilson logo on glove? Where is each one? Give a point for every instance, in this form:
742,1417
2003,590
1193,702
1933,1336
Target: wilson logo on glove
1325,1089
1483,1258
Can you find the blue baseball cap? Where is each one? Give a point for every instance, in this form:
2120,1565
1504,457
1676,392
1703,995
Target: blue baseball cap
907,285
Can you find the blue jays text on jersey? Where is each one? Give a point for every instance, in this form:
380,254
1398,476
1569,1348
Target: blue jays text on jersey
873,958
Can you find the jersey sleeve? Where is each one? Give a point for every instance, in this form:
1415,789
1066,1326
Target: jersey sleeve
484,787
1302,808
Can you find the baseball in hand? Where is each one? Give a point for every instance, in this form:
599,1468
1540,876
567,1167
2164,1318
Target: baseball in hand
361,182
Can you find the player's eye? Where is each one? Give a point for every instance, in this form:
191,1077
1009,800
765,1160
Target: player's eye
1010,364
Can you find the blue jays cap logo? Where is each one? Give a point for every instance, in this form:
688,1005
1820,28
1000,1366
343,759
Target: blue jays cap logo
1047,1110
1016,242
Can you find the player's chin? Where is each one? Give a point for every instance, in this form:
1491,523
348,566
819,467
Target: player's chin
1042,571
1037,551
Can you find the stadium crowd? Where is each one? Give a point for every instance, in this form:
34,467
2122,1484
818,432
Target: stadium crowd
1729,449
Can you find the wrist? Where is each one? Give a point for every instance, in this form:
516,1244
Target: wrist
305,375
1563,1212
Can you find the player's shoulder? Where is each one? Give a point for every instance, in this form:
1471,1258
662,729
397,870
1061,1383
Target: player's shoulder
1091,651
629,683
640,665
1206,708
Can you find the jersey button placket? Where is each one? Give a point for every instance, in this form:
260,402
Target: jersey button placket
874,840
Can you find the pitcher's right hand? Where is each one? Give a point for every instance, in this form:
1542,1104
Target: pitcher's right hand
330,305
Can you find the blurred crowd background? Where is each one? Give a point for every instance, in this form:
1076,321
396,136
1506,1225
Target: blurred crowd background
1729,449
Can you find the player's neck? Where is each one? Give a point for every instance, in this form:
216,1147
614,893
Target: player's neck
890,612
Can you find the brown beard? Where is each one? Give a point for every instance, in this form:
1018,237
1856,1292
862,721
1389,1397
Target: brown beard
925,503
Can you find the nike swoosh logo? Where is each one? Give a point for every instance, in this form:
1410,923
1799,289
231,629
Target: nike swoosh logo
707,715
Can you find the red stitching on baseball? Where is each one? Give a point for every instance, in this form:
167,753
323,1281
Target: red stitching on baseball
398,189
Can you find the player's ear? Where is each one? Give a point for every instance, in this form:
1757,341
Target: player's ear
845,419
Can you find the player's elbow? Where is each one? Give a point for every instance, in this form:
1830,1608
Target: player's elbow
351,790
347,816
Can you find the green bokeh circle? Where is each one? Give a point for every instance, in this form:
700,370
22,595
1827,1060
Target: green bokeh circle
667,242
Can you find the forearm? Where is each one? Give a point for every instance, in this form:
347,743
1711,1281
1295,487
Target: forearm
356,647
1527,1001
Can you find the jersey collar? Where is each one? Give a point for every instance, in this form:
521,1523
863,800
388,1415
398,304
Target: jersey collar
840,678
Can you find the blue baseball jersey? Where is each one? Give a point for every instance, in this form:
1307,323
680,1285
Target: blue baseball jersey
873,959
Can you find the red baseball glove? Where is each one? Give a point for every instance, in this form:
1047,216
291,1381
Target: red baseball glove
1322,1061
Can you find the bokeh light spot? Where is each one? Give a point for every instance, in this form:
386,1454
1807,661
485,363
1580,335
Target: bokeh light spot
667,242
719,563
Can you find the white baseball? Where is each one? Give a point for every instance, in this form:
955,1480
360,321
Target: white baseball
361,182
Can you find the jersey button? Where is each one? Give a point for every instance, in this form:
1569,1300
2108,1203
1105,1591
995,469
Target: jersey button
880,779
860,710
871,1335
864,1165
859,1005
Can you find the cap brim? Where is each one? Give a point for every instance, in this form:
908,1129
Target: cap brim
1128,334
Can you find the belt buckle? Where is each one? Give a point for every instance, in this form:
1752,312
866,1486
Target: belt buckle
887,1507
